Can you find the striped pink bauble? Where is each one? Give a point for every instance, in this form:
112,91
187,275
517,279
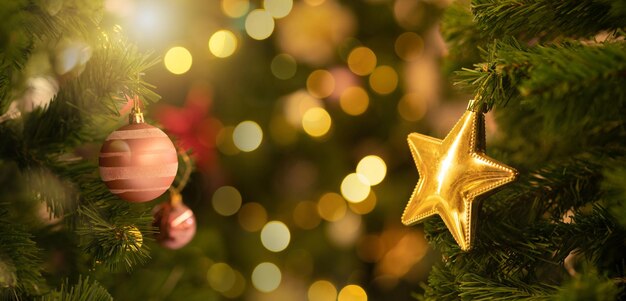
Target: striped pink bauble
138,162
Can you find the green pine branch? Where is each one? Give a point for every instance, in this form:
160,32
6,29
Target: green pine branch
547,19
84,290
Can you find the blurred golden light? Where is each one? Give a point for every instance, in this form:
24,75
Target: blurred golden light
177,60
305,215
345,231
373,168
406,247
409,46
362,61
297,104
412,107
221,277
283,66
226,200
331,207
354,101
366,206
275,236
370,248
314,2
352,292
266,277
252,217
316,122
247,136
223,43
322,290
320,83
384,80
224,141
355,187
238,287
259,24
281,131
278,8
235,8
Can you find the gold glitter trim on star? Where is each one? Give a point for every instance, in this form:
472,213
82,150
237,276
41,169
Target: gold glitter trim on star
453,173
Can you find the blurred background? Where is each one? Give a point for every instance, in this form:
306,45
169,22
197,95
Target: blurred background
296,115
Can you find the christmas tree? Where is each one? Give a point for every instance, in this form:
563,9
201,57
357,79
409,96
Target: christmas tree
290,121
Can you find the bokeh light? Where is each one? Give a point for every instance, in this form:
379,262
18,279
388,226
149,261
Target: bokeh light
373,168
266,277
221,277
177,60
283,66
384,80
352,292
278,8
224,141
344,232
305,215
320,83
237,288
331,207
316,122
322,290
247,136
275,236
354,101
314,2
362,61
297,104
355,187
409,46
235,8
252,217
259,24
366,206
223,43
226,200
412,107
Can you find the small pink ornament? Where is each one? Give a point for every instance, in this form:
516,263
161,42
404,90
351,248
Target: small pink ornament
176,223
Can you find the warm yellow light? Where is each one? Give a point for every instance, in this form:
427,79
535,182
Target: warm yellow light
366,206
235,8
412,107
298,103
177,60
331,207
316,122
224,141
259,24
238,287
247,136
362,61
223,43
384,80
278,8
373,168
221,277
305,215
354,101
283,66
320,83
266,277
322,290
252,217
226,200
275,236
352,293
355,187
314,2
409,46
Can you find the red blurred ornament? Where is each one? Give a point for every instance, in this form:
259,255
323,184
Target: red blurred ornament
193,126
176,223
138,162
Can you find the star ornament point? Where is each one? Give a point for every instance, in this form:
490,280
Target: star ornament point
454,173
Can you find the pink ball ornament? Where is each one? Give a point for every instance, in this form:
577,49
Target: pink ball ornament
176,223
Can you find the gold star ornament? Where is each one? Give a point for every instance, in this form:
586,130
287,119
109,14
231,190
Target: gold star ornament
453,174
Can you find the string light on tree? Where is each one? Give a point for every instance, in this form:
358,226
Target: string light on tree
178,60
223,43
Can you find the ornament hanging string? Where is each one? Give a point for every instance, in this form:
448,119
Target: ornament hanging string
176,198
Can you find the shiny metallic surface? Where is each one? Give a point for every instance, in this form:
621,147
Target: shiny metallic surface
454,173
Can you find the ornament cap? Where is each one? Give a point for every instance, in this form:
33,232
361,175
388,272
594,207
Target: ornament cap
475,105
135,116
